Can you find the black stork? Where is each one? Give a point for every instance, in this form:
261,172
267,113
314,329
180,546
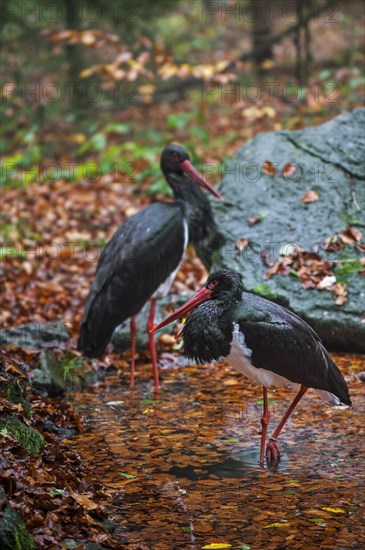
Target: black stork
265,341
140,261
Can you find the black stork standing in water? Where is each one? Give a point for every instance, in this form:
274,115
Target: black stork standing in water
140,261
265,341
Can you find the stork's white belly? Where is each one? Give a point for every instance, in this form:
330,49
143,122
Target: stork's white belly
240,358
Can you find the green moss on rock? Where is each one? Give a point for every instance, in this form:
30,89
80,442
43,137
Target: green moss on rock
29,438
13,532
17,395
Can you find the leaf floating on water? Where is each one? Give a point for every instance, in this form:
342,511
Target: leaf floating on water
271,401
217,545
148,411
317,520
310,196
147,402
277,524
230,382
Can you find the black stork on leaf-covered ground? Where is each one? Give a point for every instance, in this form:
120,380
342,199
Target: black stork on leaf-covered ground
140,261
265,341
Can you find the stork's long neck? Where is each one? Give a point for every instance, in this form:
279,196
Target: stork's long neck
198,212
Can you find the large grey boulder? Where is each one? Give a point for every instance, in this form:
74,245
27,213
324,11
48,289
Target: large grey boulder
330,160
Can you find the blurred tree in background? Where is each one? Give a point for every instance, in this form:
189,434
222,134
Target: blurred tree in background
100,80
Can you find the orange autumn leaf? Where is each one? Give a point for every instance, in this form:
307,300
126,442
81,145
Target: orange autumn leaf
310,196
241,244
350,235
84,501
268,168
341,293
288,170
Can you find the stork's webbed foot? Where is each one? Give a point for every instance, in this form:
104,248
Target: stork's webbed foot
272,452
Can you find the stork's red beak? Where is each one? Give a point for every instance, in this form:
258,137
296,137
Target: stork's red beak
189,169
202,296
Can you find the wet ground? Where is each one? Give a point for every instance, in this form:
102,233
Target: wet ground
182,465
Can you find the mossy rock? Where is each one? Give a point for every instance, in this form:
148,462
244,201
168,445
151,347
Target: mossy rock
48,378
28,438
329,159
17,394
13,532
35,335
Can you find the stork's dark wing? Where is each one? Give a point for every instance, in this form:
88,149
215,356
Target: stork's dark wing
285,344
141,255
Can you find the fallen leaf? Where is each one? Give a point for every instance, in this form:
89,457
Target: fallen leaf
317,520
253,220
241,245
167,339
341,292
328,281
88,38
230,382
269,111
217,545
310,196
334,510
288,170
268,168
84,501
350,235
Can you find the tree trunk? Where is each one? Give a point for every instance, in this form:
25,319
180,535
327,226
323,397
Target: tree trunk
74,56
261,33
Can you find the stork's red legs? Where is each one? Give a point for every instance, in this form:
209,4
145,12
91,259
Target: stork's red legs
272,449
264,424
150,324
133,349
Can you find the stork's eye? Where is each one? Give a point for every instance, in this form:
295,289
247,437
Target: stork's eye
175,155
213,284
